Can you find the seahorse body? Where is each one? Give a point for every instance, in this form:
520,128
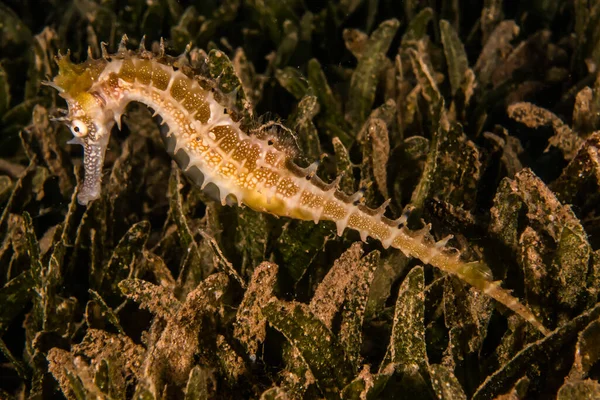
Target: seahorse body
217,155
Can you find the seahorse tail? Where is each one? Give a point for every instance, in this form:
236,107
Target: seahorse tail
420,244
471,273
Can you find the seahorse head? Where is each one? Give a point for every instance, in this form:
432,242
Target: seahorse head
86,117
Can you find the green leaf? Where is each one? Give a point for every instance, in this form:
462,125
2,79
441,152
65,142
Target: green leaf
363,83
293,81
330,114
122,260
445,384
299,244
4,92
197,385
407,342
535,357
417,27
250,326
316,344
456,57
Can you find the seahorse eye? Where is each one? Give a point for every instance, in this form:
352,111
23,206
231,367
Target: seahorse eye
79,128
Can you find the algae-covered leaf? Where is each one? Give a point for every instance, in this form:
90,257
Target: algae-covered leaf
221,16
174,350
579,390
343,166
532,253
438,121
19,366
232,365
587,352
302,122
534,358
287,45
62,366
103,378
345,288
293,81
38,270
366,385
456,57
197,385
42,50
124,184
143,392
353,311
491,15
156,266
221,69
250,326
390,269
271,14
186,27
417,27
583,170
299,244
495,50
299,381
363,82
15,295
517,392
193,266
316,344
593,279
50,151
333,121
4,91
18,116
527,195
467,316
105,311
335,288
571,261
585,111
429,89
156,299
13,32
376,153
587,17
251,239
445,384
407,342
355,41
222,261
534,117
122,260
252,82
123,355
452,169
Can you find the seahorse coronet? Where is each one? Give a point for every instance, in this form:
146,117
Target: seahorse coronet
217,154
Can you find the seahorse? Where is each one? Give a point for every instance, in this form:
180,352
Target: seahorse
213,150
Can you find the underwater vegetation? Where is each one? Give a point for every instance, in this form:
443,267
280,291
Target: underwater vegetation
482,118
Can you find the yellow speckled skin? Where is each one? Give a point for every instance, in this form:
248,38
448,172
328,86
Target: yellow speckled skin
244,169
